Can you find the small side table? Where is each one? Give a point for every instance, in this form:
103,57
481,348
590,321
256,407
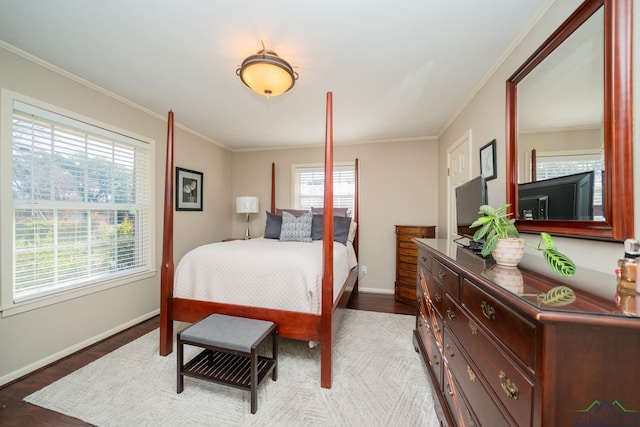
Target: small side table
230,355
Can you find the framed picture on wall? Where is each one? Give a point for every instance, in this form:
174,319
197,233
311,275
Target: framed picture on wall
488,161
188,190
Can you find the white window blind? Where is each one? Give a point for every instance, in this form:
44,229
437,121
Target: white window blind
308,186
552,166
81,203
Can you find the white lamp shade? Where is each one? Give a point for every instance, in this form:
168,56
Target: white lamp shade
247,204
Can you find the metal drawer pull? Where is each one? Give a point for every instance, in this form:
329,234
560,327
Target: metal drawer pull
449,351
509,388
488,311
442,274
438,297
472,375
473,328
470,420
449,389
451,315
436,327
435,360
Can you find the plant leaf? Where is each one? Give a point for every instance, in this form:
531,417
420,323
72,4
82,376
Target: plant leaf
487,210
480,221
489,243
559,262
560,295
479,234
547,240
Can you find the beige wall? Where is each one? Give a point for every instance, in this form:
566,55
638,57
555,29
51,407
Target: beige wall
485,116
37,337
549,142
398,184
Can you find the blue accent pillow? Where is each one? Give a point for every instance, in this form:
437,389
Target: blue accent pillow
296,229
336,211
341,226
273,226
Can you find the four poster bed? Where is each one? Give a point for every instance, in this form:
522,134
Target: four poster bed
317,324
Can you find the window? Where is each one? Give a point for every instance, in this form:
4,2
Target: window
78,206
556,165
308,186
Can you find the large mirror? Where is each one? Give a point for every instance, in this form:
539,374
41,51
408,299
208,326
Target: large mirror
569,128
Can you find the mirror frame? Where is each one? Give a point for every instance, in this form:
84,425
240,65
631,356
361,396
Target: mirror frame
618,115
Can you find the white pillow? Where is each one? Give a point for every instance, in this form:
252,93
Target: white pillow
352,231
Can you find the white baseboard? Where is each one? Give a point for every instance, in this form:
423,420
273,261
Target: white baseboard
74,348
375,291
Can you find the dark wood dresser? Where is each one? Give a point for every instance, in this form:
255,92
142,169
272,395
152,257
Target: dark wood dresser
497,355
406,259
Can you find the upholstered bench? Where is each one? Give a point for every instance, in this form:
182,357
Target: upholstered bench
230,356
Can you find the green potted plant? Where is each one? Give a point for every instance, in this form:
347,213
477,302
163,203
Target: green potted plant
502,240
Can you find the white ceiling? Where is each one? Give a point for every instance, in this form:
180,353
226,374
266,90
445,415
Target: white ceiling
398,69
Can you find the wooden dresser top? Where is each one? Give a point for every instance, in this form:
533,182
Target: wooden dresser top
596,293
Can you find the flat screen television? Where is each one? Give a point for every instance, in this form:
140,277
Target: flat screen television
469,197
565,197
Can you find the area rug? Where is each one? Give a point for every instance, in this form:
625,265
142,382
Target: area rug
378,380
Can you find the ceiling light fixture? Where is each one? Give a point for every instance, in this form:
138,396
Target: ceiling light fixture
266,73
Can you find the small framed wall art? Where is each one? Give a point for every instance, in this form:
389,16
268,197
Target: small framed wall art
188,190
488,161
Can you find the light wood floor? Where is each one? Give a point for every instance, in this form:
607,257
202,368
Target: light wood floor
15,412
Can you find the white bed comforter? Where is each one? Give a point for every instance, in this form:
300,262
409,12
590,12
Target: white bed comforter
261,273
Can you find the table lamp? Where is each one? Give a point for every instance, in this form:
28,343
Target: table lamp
247,205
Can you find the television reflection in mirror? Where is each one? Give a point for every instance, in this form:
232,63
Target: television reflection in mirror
568,197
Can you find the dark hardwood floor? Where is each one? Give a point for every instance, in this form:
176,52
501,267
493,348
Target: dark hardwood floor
14,412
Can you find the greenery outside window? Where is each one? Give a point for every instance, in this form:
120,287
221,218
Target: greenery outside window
78,208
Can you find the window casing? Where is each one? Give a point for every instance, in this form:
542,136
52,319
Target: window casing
78,209
308,186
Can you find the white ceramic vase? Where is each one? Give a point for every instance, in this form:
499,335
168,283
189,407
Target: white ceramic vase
509,278
508,252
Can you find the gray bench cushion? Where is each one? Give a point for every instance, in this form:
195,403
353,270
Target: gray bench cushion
233,333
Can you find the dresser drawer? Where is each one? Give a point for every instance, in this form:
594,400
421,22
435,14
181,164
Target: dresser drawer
429,330
455,399
408,244
424,258
406,259
406,292
408,280
415,231
513,330
407,270
432,291
486,410
507,381
411,252
448,279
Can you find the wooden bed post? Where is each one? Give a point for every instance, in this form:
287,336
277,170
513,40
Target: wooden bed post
273,188
356,216
167,267
326,326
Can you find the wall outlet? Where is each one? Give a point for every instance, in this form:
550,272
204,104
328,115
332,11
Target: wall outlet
363,269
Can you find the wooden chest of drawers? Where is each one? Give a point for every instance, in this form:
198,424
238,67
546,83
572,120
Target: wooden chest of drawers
406,256
498,356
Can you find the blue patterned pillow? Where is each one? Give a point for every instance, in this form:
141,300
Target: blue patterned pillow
296,229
